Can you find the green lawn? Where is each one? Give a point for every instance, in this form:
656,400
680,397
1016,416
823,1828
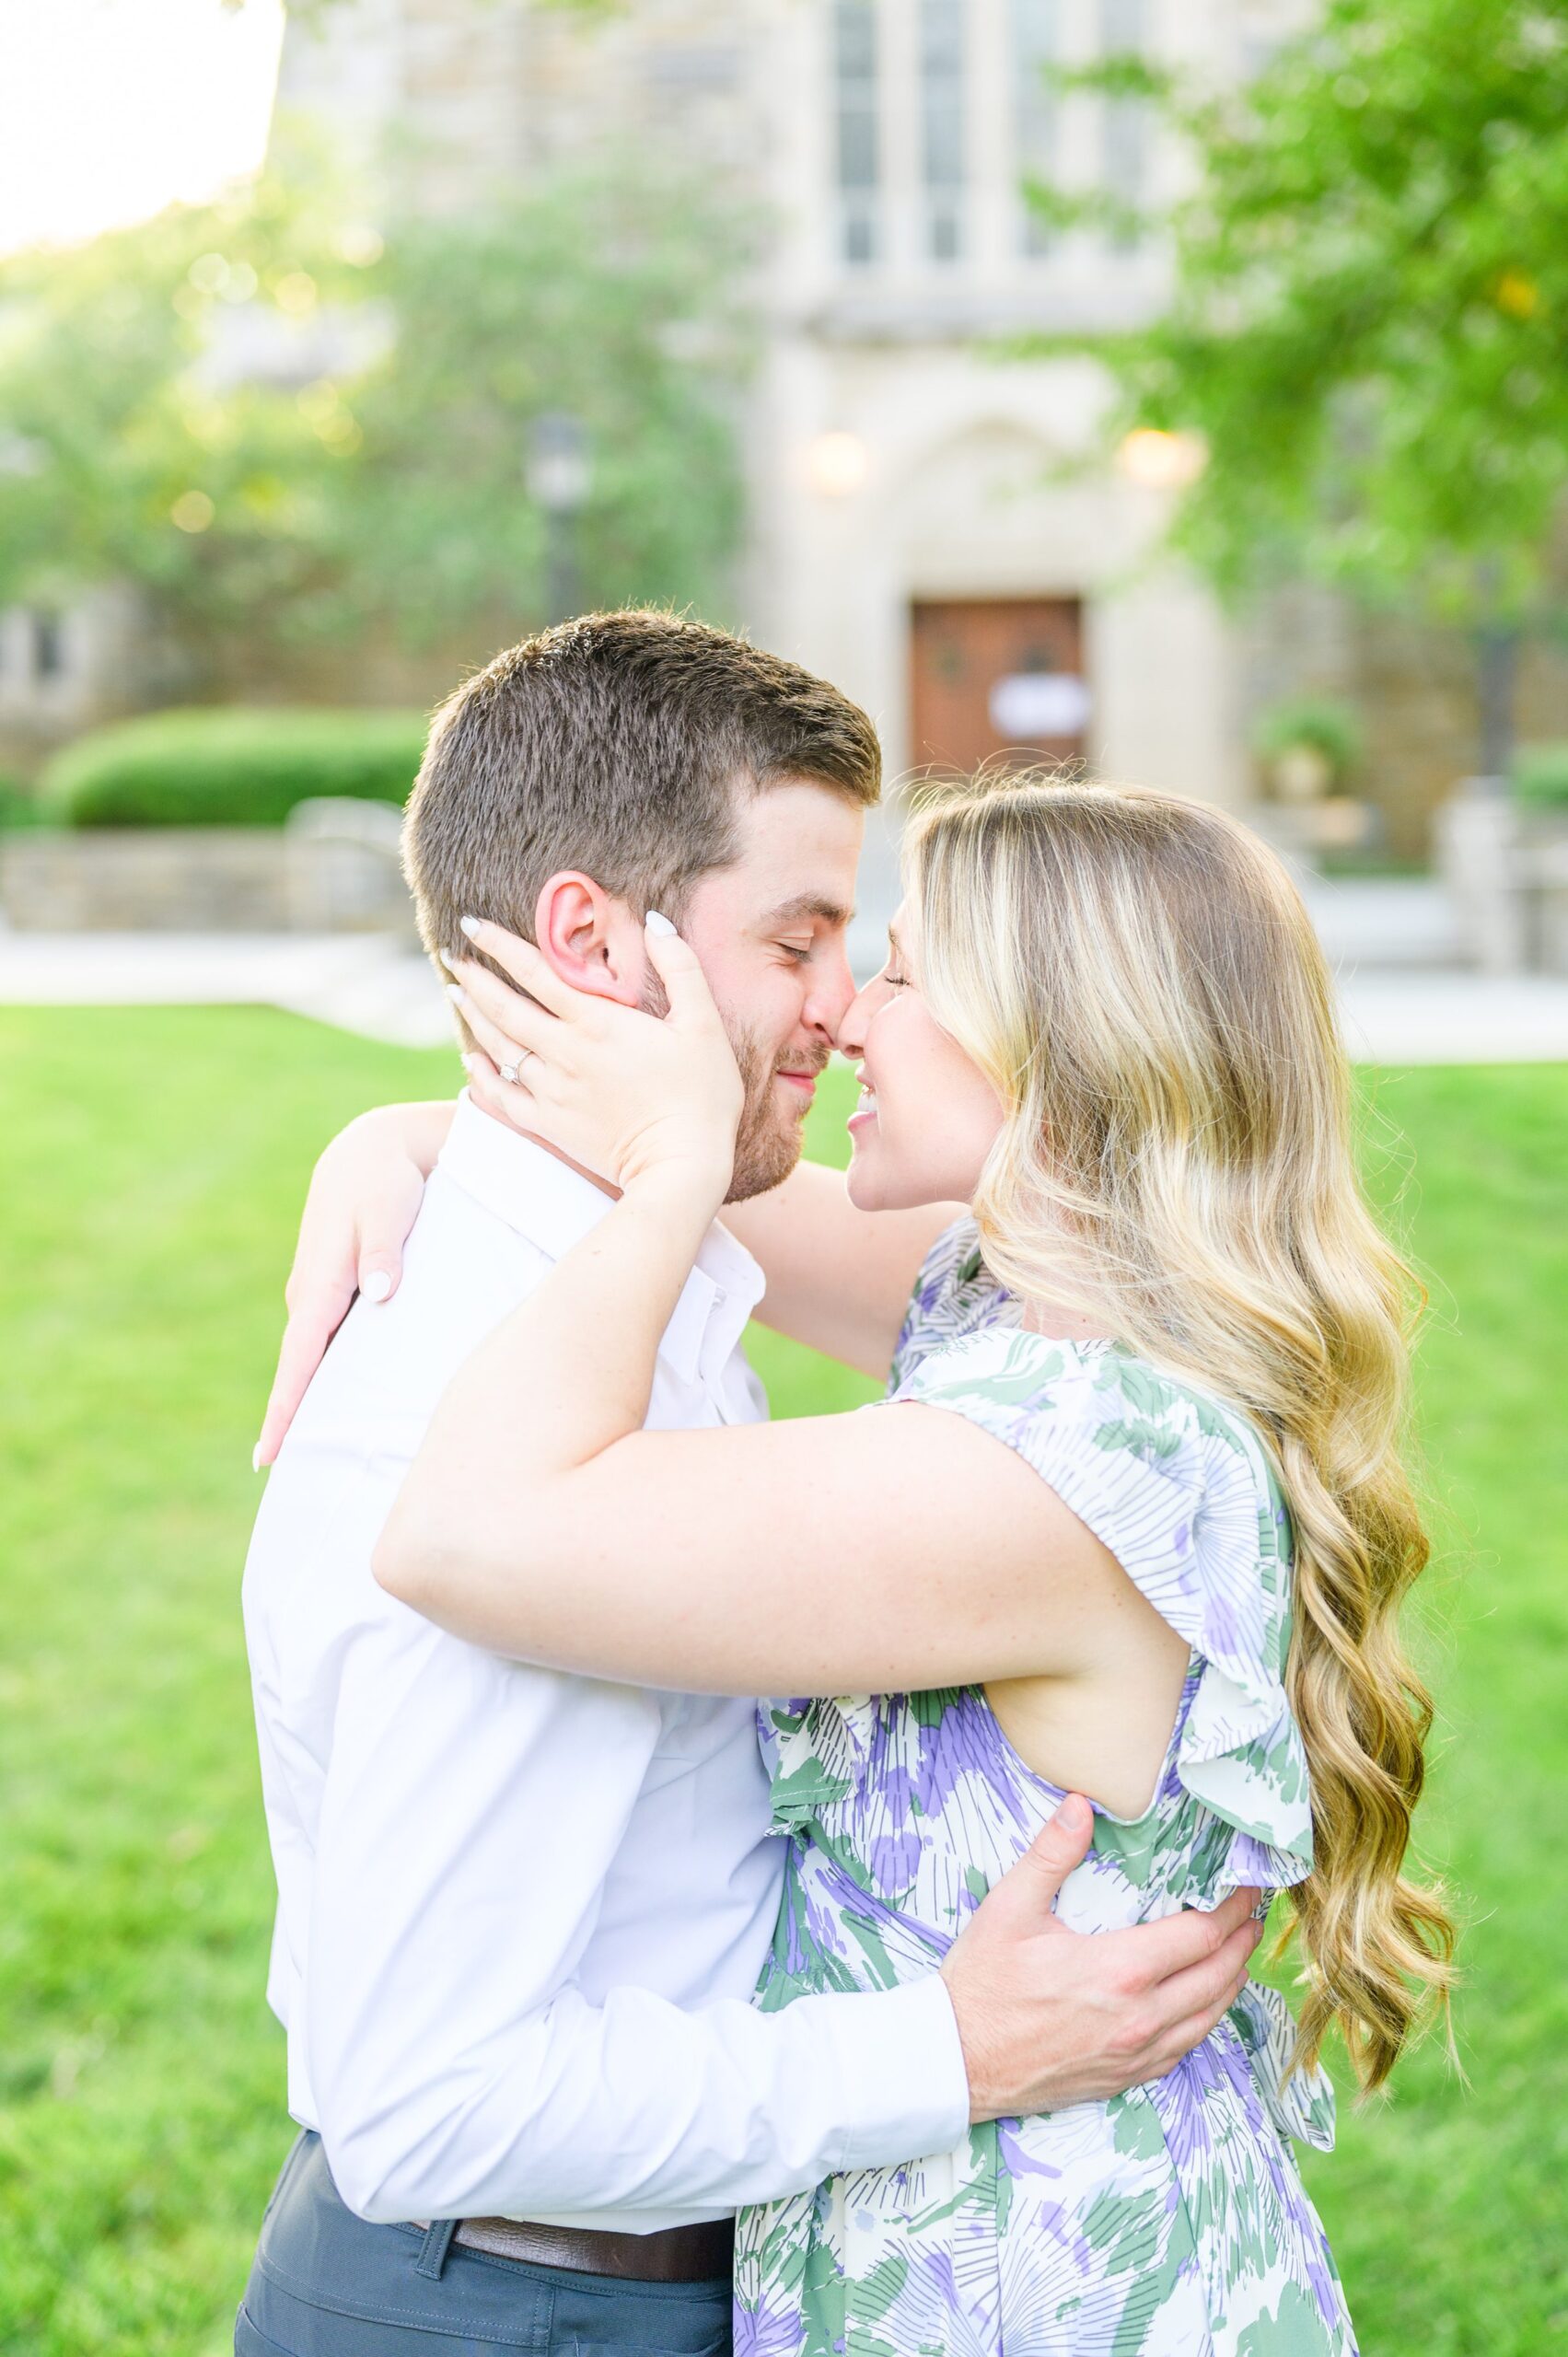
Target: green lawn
154,1164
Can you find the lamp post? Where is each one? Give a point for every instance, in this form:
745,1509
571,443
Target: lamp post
559,474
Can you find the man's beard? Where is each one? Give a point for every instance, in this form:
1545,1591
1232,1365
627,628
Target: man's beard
769,1141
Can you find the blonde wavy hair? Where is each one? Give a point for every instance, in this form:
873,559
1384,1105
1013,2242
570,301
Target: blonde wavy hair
1139,981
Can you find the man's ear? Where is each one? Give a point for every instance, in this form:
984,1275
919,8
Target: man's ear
593,942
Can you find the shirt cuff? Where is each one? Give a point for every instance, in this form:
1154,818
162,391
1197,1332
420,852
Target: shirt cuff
906,2089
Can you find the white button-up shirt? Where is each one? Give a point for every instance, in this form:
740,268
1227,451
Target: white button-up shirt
521,1913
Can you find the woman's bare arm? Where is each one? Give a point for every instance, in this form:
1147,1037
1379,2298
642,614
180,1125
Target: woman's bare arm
896,1549
891,1550
839,1278
900,1548
364,1196
885,1551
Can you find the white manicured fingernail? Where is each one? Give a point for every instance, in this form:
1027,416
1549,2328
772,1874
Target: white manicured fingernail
458,995
376,1285
470,925
447,957
653,923
256,1458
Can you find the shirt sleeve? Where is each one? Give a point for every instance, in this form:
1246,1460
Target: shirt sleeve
455,2069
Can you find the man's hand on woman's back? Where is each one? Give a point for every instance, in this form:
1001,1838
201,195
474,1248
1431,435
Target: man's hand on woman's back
1048,2017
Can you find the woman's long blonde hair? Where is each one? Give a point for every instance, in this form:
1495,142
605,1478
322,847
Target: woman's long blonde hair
1139,981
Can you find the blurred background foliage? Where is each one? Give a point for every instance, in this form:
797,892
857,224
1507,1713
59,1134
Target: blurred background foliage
278,425
1364,349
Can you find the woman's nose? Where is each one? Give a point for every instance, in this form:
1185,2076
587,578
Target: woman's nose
832,996
850,1037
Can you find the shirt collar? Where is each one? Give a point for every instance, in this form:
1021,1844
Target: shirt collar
554,1206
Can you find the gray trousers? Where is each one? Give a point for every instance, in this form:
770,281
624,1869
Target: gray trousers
325,2284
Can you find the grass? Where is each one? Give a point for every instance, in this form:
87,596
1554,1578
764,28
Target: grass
153,1167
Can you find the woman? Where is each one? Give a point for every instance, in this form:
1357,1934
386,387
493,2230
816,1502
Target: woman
1137,1529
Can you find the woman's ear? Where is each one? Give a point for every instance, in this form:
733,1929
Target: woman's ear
593,942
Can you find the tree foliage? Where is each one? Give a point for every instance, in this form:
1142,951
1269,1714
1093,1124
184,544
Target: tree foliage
603,298
1370,315
129,452
274,420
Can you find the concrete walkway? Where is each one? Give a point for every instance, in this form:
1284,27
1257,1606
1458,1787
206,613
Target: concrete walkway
1437,1015
1372,920
1404,1001
359,981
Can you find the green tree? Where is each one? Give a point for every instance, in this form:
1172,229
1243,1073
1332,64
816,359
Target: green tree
1370,317
604,298
128,450
273,420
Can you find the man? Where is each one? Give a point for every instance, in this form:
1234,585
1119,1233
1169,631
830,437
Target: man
521,1913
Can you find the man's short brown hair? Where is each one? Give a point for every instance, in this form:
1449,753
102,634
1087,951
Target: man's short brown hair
619,744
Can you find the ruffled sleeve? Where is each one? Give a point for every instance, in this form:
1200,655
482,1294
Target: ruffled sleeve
1178,1488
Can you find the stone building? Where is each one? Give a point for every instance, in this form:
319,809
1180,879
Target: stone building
921,527
928,523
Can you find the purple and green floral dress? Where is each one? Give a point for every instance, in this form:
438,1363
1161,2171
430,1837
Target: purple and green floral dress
1170,2222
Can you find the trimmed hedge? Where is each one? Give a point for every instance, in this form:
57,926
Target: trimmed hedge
230,767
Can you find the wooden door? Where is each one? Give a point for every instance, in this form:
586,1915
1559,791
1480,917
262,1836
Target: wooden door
996,678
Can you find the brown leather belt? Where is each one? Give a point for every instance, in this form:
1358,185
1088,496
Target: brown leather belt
678,2255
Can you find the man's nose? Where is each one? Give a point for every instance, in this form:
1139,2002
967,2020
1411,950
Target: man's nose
850,1036
832,996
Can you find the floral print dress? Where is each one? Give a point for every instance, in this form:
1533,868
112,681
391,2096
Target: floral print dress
1170,2222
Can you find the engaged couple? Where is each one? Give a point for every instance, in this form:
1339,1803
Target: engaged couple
906,2010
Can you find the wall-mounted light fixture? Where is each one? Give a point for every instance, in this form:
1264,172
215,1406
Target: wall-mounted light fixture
837,464
1161,461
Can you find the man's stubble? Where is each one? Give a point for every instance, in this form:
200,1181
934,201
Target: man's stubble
769,1138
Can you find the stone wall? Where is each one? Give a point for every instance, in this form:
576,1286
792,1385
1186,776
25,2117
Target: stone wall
193,880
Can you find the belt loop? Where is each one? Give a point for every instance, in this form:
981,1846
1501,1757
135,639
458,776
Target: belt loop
436,2244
